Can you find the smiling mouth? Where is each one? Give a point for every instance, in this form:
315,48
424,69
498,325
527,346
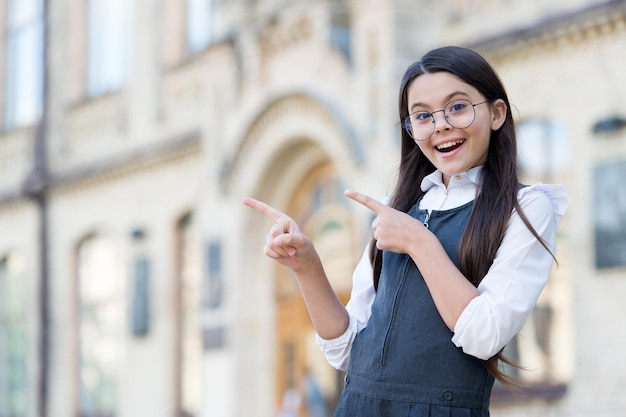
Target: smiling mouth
450,146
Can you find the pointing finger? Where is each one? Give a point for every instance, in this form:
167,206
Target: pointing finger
264,208
372,204
279,217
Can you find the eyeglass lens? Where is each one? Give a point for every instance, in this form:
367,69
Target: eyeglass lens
459,114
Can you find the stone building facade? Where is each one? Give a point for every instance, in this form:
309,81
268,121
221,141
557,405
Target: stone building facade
132,279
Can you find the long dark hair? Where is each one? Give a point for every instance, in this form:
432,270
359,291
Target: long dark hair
497,194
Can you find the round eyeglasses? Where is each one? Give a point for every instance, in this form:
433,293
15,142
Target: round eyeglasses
459,114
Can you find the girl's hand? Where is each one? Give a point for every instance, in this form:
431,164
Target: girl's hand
285,243
398,232
393,230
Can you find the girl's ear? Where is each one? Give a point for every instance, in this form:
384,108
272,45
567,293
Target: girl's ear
498,114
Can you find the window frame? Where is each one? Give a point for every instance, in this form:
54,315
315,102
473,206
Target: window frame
14,283
116,301
199,27
108,58
23,63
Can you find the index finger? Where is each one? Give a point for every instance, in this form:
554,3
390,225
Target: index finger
369,202
266,209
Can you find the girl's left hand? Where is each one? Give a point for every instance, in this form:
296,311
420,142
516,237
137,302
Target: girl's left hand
285,242
393,230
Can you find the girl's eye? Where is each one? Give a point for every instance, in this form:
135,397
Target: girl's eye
457,106
422,116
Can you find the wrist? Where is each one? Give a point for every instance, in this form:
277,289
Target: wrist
422,245
311,265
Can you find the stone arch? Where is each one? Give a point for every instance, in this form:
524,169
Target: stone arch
290,118
293,142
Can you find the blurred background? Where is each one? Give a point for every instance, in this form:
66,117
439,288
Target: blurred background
132,279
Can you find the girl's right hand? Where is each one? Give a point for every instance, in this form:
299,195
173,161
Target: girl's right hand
285,243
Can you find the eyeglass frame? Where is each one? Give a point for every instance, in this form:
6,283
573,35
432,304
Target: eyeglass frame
407,120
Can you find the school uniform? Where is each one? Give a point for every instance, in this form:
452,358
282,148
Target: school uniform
401,359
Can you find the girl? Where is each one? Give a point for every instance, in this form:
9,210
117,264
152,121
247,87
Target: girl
457,260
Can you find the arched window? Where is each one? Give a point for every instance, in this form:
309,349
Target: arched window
101,319
14,341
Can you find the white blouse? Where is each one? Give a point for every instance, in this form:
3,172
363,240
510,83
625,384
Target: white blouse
509,291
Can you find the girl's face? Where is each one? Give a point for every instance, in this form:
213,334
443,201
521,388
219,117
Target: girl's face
450,149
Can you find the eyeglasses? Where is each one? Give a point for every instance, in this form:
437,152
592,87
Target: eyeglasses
458,113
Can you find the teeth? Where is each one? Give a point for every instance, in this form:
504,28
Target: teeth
449,144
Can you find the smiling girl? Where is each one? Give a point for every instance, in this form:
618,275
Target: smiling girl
457,259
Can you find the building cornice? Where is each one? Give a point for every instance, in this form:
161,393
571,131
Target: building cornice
605,17
14,198
141,159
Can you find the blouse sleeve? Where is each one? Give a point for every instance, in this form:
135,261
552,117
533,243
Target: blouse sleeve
509,291
337,351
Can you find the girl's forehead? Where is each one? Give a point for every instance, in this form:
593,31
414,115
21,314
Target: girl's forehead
438,88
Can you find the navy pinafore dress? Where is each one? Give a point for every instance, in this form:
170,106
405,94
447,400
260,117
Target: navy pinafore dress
404,362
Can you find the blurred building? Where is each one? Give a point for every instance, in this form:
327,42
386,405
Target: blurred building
133,280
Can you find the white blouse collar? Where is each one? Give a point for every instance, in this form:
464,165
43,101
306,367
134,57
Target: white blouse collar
435,179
